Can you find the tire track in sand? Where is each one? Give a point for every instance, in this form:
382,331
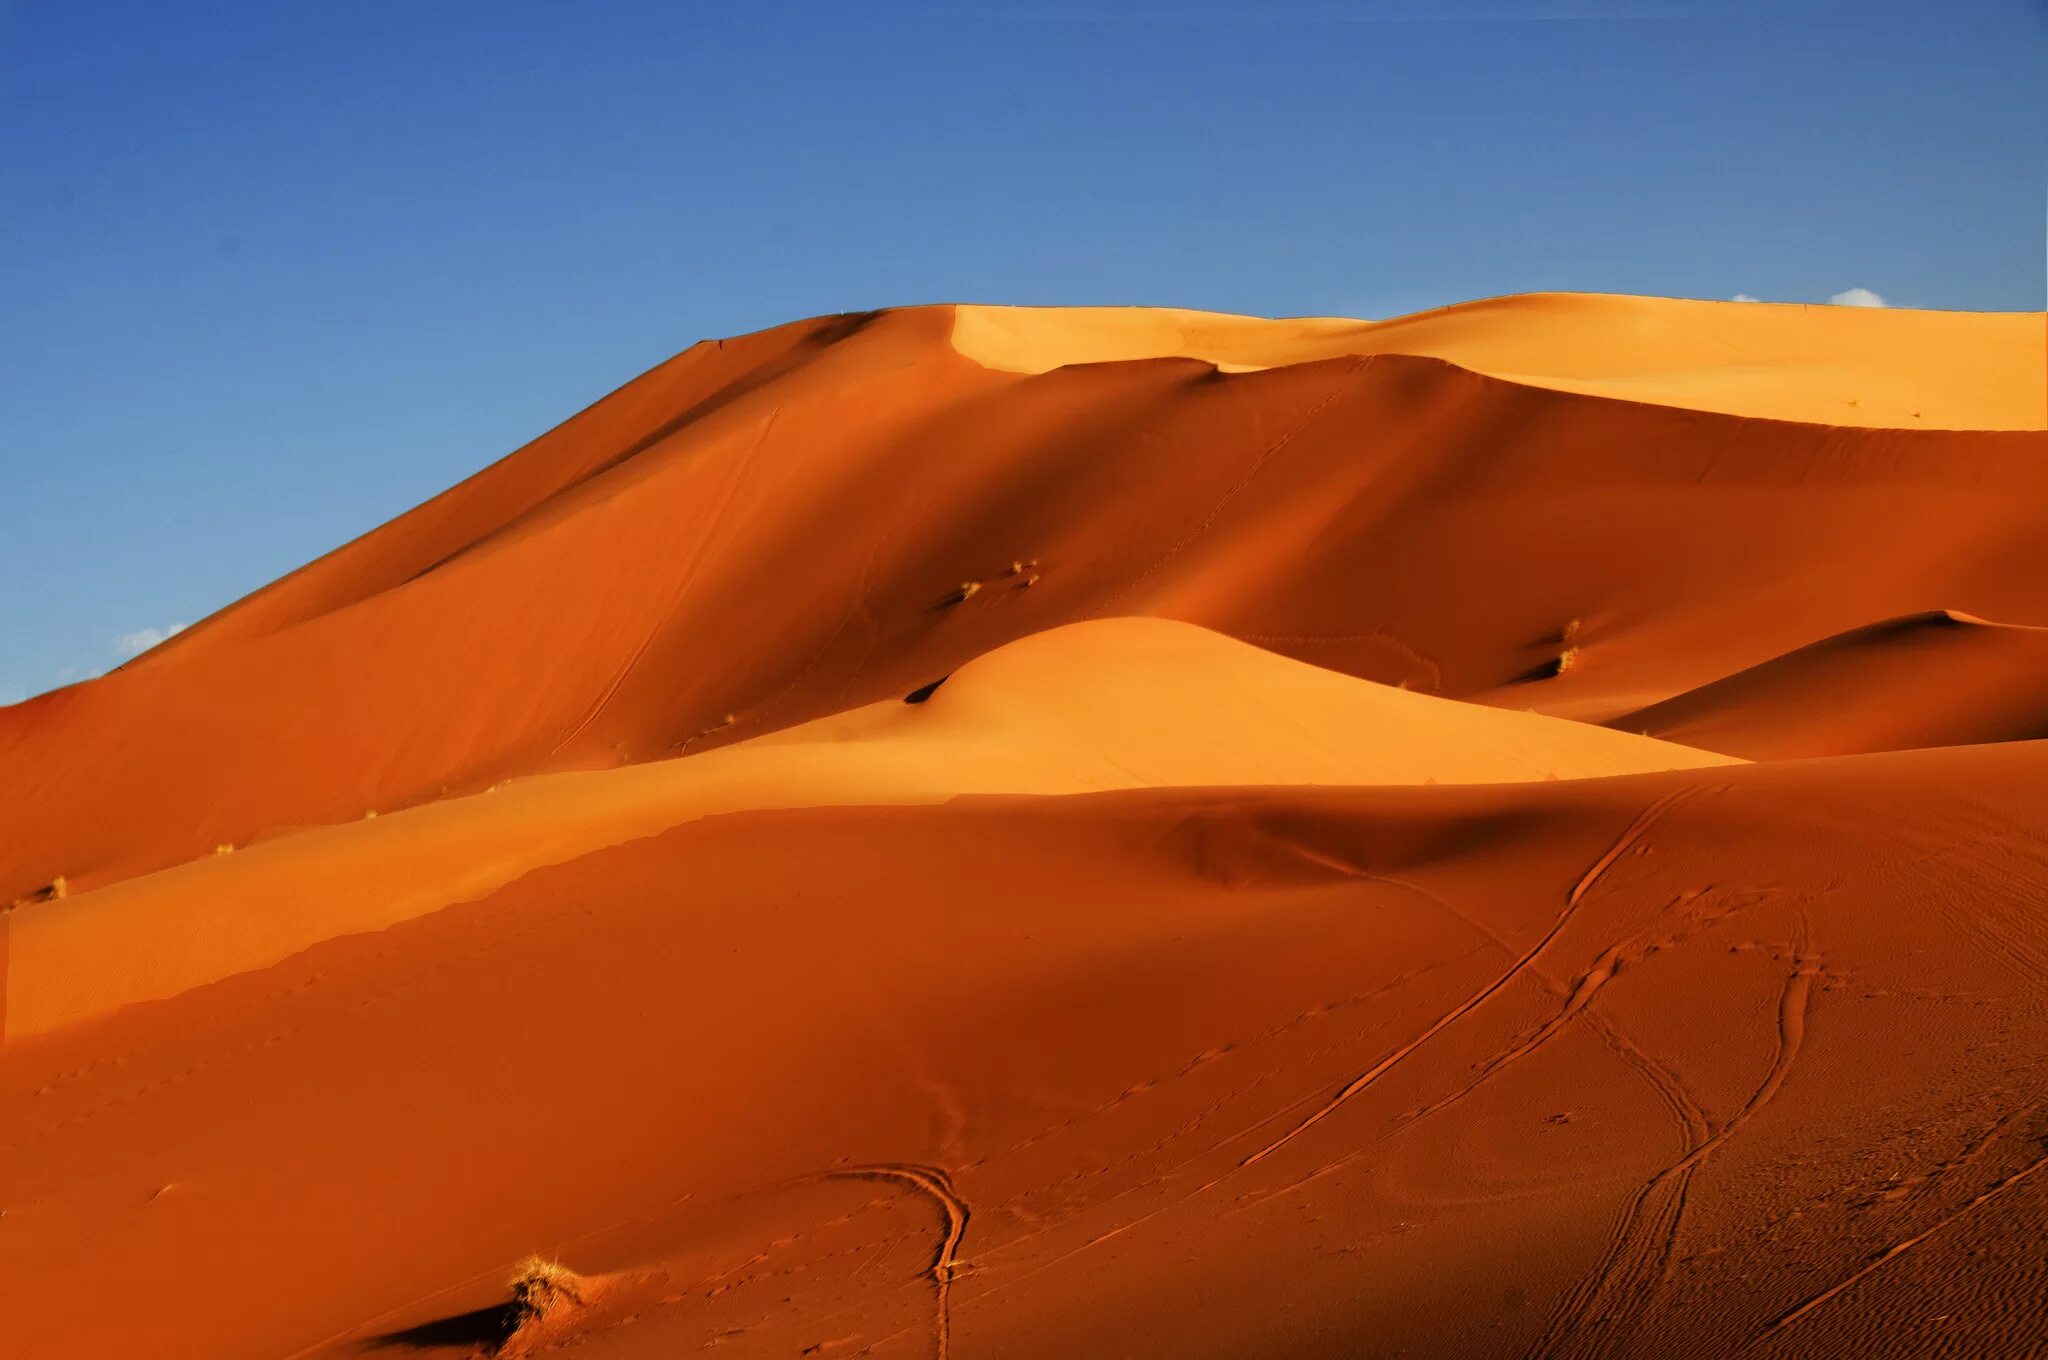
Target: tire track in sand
1899,1249
1635,1264
937,1186
1628,838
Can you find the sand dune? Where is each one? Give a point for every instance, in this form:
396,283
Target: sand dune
1853,366
1028,833
1451,1070
1934,679
611,593
1113,704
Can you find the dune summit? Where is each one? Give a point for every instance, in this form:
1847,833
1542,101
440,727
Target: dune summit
1514,831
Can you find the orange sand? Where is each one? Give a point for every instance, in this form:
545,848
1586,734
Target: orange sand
1256,945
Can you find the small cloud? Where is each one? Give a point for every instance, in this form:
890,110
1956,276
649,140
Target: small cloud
142,639
1744,297
1858,297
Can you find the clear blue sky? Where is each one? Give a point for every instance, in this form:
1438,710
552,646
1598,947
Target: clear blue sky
271,273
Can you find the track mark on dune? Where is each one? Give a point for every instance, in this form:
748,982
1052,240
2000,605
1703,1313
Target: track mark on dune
1899,1249
1635,1264
1648,818
1635,831
1684,1110
936,1185
1579,1002
704,548
1686,1114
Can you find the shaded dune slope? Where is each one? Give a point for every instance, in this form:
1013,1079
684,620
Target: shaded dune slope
780,527
1306,1073
1933,679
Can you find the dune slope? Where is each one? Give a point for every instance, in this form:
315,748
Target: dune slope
1507,1070
1851,366
1934,679
1111,704
785,526
977,832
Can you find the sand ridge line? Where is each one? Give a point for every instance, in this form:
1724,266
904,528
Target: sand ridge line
1279,642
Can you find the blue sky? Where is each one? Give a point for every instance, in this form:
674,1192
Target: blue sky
273,273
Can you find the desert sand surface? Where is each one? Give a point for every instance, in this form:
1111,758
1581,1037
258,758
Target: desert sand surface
1515,831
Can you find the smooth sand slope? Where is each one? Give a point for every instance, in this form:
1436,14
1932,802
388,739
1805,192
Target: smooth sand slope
1112,704
1835,365
1933,679
1746,1059
974,832
784,526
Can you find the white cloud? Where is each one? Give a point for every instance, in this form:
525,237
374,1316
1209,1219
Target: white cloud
142,639
1858,297
1744,297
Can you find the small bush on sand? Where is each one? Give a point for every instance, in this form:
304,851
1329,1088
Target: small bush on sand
542,1288
1569,657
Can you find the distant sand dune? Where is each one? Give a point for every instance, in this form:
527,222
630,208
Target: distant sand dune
1855,366
1933,679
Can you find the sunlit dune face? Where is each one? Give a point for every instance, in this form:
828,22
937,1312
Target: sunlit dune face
1854,366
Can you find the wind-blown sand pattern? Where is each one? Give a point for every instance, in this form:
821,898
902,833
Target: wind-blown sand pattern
1515,831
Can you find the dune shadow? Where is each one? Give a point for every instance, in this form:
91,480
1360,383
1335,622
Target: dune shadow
480,1327
1549,670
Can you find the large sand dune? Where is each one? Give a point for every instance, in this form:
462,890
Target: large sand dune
1247,939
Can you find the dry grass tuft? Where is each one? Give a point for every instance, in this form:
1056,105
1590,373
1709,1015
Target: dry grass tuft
51,892
542,1288
1569,657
